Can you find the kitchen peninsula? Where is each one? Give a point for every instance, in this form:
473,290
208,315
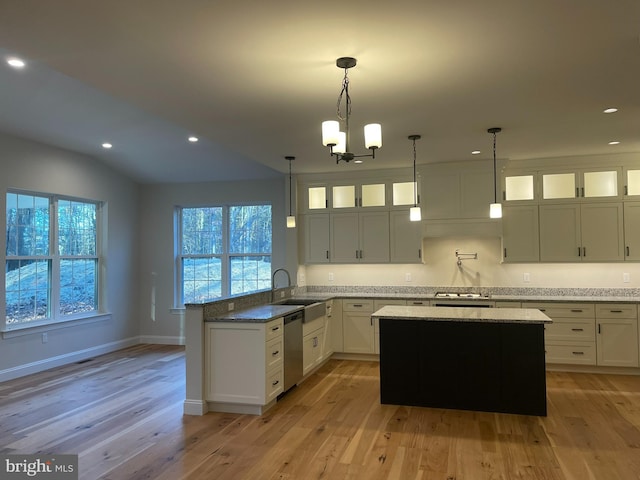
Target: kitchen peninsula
484,359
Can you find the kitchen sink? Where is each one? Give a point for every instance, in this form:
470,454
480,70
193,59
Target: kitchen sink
313,308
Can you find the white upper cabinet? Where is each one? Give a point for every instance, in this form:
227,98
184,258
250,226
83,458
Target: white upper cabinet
373,195
315,198
404,193
343,196
519,188
592,184
557,186
632,182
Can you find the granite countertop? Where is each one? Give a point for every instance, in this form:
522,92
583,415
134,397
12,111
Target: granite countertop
464,314
259,314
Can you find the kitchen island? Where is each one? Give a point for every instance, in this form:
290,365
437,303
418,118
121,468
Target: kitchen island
484,359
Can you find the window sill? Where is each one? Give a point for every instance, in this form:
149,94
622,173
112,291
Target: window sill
22,330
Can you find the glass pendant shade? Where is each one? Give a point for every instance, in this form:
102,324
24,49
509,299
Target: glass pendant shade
373,135
291,221
341,144
415,214
330,132
495,210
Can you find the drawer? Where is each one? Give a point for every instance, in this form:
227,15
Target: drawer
357,306
577,330
616,310
274,329
424,303
378,304
564,310
275,384
573,354
274,352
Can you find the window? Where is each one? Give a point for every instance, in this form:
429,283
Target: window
51,269
223,251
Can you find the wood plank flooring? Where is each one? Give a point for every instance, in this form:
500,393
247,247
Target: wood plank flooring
122,414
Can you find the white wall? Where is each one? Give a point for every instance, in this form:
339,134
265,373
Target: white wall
36,167
440,269
159,322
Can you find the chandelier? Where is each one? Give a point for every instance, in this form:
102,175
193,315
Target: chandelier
339,141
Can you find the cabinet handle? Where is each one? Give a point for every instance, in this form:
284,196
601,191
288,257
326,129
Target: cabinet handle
626,190
275,329
275,353
542,309
275,383
582,192
577,353
419,253
357,305
577,310
584,251
327,254
579,251
598,328
627,250
577,192
505,252
615,311
577,329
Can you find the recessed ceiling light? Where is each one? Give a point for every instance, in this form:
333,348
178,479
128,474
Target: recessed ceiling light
610,110
476,152
106,145
193,139
15,62
615,142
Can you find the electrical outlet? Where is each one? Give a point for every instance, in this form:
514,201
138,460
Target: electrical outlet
45,337
526,277
407,277
331,276
231,306
626,278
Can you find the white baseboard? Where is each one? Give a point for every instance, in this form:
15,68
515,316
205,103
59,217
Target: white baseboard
195,407
51,362
162,340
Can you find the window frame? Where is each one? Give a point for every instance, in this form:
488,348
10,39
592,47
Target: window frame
55,318
225,256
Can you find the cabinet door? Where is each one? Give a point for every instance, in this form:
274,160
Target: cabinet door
374,237
602,232
344,238
617,342
312,350
406,238
632,230
316,235
359,334
520,235
560,233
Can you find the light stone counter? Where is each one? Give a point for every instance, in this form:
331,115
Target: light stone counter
463,314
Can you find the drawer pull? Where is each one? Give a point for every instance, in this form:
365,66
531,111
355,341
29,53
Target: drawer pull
577,310
577,329
543,309
615,311
357,305
275,329
275,383
275,353
577,353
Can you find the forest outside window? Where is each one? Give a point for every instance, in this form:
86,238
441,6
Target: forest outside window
52,259
223,251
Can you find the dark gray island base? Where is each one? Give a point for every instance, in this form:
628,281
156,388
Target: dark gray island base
484,359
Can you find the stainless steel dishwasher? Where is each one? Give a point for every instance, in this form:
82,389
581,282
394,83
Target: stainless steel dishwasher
293,349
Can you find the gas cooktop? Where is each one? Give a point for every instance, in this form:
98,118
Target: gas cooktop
459,295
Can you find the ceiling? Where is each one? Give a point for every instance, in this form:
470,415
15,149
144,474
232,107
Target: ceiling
254,80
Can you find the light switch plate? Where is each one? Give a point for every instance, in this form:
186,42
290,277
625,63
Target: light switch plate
526,277
626,278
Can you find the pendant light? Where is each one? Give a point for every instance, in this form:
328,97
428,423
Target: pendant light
291,219
338,141
495,209
415,213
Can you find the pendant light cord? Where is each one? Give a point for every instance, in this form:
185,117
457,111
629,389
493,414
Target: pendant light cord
495,182
290,186
415,184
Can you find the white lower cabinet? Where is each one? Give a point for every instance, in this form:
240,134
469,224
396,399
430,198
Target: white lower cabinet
357,327
315,348
617,335
377,305
571,338
244,365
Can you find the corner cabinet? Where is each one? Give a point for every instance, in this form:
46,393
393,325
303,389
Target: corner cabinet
244,370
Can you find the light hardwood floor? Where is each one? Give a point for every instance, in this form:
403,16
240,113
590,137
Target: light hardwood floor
122,413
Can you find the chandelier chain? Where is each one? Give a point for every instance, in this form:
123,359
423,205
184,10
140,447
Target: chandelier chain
344,92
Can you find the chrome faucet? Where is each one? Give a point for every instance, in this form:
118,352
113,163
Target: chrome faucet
273,282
